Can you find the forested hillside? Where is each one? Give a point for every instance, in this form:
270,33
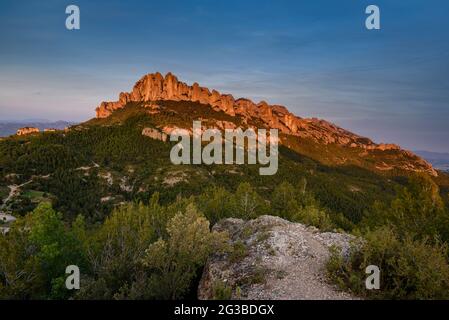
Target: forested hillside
101,163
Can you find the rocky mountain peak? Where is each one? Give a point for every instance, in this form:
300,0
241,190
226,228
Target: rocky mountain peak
156,87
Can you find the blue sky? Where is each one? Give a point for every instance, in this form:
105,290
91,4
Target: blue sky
315,57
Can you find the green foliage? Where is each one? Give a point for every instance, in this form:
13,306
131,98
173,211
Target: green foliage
410,269
314,216
298,205
217,203
20,270
148,252
238,252
284,201
416,212
407,240
221,291
56,247
248,202
118,245
36,252
174,262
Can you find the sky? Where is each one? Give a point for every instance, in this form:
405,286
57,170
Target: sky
315,57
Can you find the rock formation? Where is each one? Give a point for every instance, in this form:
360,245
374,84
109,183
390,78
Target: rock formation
154,134
27,130
276,260
154,87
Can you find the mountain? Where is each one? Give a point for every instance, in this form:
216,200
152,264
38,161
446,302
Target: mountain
155,87
439,160
8,128
120,156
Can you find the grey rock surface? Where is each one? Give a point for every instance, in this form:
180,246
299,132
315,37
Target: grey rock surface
275,260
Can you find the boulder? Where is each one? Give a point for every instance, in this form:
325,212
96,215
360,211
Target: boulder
273,259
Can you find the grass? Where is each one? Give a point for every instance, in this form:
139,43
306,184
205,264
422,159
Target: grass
221,291
238,253
257,276
35,196
262,236
247,232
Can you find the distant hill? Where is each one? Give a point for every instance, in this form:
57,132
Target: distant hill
439,161
8,128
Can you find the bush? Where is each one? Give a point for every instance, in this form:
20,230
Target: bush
238,252
297,205
249,204
314,216
284,202
35,253
221,291
410,269
173,262
417,211
216,203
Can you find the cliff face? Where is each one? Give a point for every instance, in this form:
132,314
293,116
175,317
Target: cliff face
154,87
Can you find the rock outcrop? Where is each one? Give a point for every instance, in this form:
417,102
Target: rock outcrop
273,259
155,87
154,134
27,130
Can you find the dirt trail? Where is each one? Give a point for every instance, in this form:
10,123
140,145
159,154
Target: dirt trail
14,189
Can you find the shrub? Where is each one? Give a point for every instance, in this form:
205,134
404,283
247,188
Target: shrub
173,262
417,211
312,215
297,205
216,203
283,201
248,203
410,269
221,291
35,253
238,252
